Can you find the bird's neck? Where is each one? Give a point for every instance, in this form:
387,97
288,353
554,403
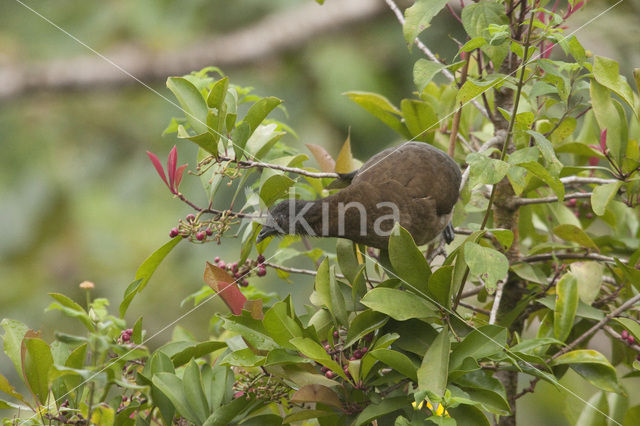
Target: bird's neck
326,217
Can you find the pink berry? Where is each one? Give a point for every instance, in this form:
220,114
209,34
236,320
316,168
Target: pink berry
174,232
262,271
190,217
352,358
330,374
324,369
624,334
216,259
222,265
571,203
209,231
244,282
238,394
261,258
234,266
357,353
364,350
201,235
631,340
336,334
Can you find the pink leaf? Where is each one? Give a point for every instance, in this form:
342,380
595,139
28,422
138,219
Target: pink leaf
224,285
172,160
178,178
603,141
156,162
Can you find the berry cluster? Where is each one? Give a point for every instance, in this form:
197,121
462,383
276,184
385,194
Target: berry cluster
580,208
627,337
242,272
343,355
125,336
199,231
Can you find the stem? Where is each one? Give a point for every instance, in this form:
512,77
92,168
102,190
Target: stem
626,305
306,271
525,201
455,124
259,164
570,256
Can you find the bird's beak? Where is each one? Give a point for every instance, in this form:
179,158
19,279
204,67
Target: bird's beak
265,232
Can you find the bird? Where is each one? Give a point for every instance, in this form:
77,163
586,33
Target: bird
414,184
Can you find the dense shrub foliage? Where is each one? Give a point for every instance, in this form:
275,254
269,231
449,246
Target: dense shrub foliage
546,256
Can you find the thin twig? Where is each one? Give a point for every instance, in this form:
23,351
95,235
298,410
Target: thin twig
216,212
515,202
246,164
568,256
455,123
496,302
571,180
474,308
307,271
626,305
396,10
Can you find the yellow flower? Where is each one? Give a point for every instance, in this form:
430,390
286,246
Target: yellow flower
438,410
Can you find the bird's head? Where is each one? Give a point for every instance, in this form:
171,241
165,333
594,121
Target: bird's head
278,221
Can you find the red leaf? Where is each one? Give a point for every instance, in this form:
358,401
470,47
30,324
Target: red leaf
603,141
178,178
156,162
225,286
172,161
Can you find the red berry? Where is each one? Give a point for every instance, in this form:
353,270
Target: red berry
261,258
336,334
624,334
588,215
190,218
262,271
357,353
201,235
244,282
638,357
238,394
234,267
631,340
174,232
330,374
353,358
364,350
209,231
216,259
571,203
222,265
324,369
327,347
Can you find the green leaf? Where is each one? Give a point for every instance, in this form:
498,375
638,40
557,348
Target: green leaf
243,358
418,17
378,410
397,361
574,234
205,140
480,343
539,171
274,188
489,264
171,386
191,101
440,285
223,415
595,411
280,325
593,366
14,332
36,365
194,391
250,329
71,309
468,415
407,260
6,387
399,305
420,118
602,196
546,148
381,108
218,93
606,72
486,170
424,71
472,89
329,292
363,324
194,351
259,111
610,116
313,350
432,374
144,273
630,325
347,259
566,306
632,416
589,276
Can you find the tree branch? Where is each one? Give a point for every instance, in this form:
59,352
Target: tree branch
516,202
273,34
496,302
249,164
307,271
577,180
569,256
626,305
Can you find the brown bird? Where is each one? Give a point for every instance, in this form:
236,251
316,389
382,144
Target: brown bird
414,184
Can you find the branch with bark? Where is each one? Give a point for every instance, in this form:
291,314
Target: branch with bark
272,35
